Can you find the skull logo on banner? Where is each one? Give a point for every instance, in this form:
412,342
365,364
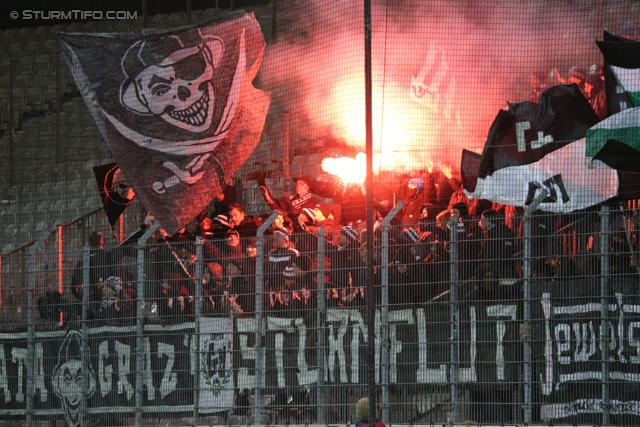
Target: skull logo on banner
121,191
67,379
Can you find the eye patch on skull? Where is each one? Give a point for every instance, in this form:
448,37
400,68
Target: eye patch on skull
191,67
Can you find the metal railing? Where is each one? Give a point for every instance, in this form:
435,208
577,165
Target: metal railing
536,344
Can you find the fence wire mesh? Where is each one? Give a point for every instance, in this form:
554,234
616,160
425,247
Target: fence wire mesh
505,237
181,329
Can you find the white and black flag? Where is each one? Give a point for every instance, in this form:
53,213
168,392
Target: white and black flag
178,109
534,147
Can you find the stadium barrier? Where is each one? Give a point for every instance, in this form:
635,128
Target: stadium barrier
543,347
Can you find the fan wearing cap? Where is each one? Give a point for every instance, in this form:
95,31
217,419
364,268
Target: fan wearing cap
282,222
304,237
357,296
627,31
291,205
280,297
116,300
302,285
217,228
278,258
416,242
295,292
228,248
103,263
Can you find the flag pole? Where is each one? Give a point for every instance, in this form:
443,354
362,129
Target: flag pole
370,294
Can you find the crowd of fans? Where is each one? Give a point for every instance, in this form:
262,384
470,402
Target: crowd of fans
489,253
488,239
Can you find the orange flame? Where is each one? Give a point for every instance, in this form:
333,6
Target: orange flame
350,170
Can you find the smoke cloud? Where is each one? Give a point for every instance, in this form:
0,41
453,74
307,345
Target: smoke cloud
486,48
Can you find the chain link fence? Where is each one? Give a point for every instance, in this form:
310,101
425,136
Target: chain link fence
205,332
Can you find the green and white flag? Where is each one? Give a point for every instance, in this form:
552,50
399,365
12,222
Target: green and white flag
629,80
623,127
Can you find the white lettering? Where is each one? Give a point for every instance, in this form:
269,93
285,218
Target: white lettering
335,339
147,378
4,378
245,327
279,324
620,329
501,311
542,140
586,341
469,374
105,371
520,128
305,376
633,330
563,342
547,383
169,379
124,362
424,374
18,356
39,374
395,318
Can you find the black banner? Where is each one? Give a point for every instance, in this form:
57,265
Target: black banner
571,342
566,341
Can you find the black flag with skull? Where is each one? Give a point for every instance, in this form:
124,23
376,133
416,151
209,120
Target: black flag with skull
178,109
115,191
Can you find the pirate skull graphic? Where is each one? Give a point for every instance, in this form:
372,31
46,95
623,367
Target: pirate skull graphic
67,378
120,190
171,79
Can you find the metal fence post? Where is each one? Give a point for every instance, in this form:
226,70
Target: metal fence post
454,317
525,333
84,350
385,347
604,311
60,266
321,317
1,280
31,351
257,395
139,320
197,326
